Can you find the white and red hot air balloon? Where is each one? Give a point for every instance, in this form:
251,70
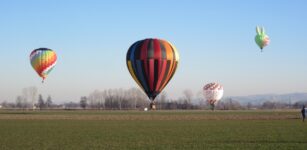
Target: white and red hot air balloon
213,92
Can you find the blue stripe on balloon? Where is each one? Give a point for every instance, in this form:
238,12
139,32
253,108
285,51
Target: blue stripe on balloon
39,53
132,56
140,75
36,55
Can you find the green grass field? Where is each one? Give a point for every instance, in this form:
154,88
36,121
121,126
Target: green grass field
152,130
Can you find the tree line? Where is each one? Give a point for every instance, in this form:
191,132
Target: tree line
135,99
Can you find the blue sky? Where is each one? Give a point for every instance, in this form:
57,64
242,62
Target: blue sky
215,40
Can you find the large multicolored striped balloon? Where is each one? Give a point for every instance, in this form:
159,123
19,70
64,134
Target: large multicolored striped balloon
261,38
213,92
43,61
152,63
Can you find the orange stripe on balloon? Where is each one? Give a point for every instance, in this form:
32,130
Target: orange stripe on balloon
161,74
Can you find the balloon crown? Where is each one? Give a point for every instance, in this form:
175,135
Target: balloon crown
260,31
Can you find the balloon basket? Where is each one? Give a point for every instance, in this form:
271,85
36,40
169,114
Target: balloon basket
212,106
152,106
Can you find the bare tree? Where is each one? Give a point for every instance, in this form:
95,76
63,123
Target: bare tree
19,102
132,97
71,105
117,99
299,104
33,95
25,97
29,93
96,100
202,103
40,102
188,96
137,98
25,93
229,104
111,99
49,101
161,100
274,105
6,104
120,96
268,105
249,105
83,102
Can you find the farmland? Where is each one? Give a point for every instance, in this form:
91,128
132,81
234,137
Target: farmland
152,130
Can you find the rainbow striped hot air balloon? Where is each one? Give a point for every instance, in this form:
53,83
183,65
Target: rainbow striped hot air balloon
43,61
152,63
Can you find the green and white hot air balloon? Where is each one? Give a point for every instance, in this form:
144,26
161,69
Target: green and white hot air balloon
261,38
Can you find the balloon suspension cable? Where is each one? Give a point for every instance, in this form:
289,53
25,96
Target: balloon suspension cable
261,49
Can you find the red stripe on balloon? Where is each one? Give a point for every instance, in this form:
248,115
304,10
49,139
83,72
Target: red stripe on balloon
144,50
143,56
151,74
157,49
161,73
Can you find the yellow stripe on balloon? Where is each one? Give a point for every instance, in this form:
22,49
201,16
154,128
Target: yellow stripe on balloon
175,51
133,75
172,51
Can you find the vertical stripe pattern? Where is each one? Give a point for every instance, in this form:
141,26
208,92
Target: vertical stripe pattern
43,61
152,63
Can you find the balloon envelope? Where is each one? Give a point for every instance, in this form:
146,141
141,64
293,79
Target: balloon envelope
261,38
213,92
43,61
152,63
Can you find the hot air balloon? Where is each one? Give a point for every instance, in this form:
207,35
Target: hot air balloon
261,38
213,92
43,61
152,63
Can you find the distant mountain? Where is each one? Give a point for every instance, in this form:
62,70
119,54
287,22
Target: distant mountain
259,99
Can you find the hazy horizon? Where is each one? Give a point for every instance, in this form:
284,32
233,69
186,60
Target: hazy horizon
215,41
